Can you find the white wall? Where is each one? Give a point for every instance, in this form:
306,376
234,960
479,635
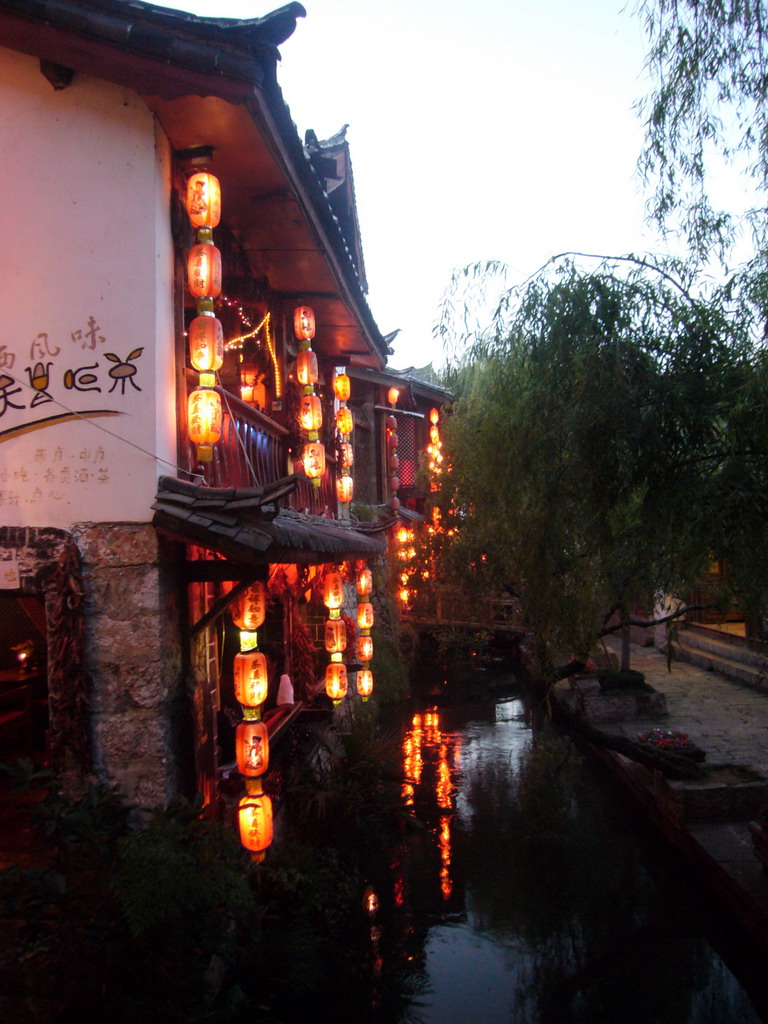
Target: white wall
86,267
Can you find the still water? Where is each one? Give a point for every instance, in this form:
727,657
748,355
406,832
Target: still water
490,918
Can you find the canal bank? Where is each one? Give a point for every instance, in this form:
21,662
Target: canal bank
729,721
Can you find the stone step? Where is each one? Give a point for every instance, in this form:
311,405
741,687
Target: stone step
755,676
713,644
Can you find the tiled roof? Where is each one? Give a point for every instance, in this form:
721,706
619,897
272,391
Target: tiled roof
245,523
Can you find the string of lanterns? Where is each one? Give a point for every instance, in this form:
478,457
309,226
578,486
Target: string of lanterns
344,425
206,335
392,457
310,408
251,681
364,587
336,682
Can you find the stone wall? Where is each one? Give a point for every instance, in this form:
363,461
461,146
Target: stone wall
135,659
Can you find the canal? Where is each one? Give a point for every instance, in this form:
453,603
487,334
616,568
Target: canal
560,906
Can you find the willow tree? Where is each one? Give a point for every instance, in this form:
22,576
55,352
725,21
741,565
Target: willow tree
607,439
708,103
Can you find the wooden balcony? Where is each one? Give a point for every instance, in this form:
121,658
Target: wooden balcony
253,452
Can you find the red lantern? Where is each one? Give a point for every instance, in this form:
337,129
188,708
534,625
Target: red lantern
364,647
394,483
251,679
344,421
365,615
344,489
250,608
392,395
310,413
304,323
434,416
346,455
434,435
314,460
335,636
392,422
206,344
393,440
394,504
333,590
204,271
364,582
306,367
336,683
394,463
341,387
365,683
204,200
204,419
252,749
254,816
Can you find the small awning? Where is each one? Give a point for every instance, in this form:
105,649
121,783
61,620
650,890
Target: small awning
245,523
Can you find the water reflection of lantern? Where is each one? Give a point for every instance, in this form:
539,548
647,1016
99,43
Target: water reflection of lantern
314,460
336,683
204,200
333,590
392,395
370,901
365,647
364,582
204,418
341,388
204,271
254,815
344,421
306,367
310,413
251,681
252,749
250,608
335,636
304,322
365,615
344,488
206,343
365,683
346,455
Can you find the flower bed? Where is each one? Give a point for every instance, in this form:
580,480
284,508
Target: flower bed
672,741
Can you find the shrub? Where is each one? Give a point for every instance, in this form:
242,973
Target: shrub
615,679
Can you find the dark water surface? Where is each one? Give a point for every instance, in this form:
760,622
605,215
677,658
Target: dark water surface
487,920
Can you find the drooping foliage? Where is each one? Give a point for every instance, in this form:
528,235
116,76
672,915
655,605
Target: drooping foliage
606,443
708,62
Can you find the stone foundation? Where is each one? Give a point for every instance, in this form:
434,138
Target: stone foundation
586,699
134,656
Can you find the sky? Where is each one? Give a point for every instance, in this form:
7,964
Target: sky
479,130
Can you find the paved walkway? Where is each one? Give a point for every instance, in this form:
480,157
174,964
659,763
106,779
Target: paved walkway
728,719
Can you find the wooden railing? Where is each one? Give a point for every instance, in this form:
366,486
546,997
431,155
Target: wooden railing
253,452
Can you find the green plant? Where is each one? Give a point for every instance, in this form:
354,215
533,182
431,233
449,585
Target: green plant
390,673
627,679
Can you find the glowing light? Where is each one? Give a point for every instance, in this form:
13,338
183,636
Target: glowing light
204,200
